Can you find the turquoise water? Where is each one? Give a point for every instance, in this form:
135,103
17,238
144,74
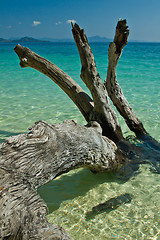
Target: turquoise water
27,96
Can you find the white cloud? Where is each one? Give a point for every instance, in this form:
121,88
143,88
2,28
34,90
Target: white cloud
36,23
58,23
9,26
71,21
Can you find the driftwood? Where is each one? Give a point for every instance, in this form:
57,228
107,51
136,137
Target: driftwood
68,85
113,88
102,112
28,161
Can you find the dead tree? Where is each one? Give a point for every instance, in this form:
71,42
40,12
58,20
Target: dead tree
113,88
28,161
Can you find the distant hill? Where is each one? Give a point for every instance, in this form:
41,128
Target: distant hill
99,39
33,40
26,39
21,40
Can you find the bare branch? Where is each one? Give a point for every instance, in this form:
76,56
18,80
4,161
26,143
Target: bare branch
113,88
65,82
121,35
103,112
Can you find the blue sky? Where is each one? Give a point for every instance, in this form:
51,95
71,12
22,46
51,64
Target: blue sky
48,18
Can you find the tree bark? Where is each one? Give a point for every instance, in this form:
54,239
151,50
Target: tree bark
113,88
28,161
102,112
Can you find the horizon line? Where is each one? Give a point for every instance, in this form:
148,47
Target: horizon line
52,40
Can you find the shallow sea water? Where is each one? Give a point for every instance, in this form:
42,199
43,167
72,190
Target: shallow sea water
90,216
91,206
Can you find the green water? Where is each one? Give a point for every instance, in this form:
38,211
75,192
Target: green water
90,206
137,219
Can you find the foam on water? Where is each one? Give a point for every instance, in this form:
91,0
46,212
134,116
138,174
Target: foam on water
90,206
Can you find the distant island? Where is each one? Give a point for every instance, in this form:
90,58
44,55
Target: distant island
21,40
99,39
33,40
26,39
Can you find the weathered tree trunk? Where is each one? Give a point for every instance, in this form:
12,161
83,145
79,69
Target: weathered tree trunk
113,88
28,161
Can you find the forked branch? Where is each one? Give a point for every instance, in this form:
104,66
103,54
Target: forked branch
113,88
103,112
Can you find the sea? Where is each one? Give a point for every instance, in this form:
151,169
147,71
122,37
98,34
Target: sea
90,206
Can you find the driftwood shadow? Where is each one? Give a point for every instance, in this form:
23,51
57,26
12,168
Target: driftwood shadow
146,151
68,187
109,205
